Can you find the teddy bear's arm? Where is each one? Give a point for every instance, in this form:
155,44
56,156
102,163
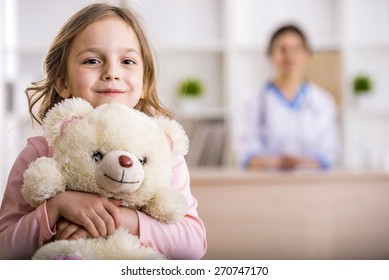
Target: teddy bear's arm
41,181
167,205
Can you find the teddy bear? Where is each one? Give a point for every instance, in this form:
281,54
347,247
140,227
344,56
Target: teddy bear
113,151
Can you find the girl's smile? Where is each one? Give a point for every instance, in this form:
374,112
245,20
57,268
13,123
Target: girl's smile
111,92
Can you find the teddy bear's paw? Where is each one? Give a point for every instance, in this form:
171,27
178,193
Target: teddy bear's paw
66,250
133,250
168,205
42,180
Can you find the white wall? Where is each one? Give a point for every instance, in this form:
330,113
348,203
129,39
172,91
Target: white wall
8,73
2,101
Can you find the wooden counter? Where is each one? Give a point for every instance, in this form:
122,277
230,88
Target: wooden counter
315,215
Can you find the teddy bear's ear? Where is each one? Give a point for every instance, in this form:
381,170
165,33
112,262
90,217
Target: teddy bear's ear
175,134
63,114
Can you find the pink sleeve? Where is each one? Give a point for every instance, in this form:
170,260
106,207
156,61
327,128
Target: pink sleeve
184,239
23,229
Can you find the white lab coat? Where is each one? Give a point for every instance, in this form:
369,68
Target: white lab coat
271,125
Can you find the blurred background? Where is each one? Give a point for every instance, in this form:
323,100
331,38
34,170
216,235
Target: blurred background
221,45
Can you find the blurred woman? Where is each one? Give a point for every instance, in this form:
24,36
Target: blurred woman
290,122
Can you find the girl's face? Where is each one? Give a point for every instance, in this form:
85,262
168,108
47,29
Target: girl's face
104,65
289,55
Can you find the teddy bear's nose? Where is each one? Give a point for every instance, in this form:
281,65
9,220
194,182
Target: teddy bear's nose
125,161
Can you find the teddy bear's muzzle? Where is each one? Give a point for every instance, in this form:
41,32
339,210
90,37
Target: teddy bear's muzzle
120,172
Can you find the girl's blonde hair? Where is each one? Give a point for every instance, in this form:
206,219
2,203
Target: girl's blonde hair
55,64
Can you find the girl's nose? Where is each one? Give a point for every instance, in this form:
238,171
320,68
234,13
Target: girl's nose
109,77
110,73
125,161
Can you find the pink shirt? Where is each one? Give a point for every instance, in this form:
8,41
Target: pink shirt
24,229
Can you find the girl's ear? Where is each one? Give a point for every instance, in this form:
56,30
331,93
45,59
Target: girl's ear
61,87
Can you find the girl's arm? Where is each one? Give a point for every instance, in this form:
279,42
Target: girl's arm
23,229
185,239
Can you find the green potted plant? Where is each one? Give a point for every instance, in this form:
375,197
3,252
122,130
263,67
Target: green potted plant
190,87
190,90
362,85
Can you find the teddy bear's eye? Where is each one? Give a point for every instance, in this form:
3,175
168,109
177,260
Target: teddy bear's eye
97,156
143,160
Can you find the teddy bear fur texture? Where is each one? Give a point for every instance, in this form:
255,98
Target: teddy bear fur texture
116,152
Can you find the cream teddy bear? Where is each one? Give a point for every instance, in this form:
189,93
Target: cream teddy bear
116,152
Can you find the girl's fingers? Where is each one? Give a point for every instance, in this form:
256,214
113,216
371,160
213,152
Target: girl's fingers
62,224
89,225
105,217
115,217
108,222
67,231
116,202
80,233
98,223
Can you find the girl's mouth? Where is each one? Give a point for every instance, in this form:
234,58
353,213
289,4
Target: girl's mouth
110,92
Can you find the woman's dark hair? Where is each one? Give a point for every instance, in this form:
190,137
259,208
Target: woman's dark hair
290,28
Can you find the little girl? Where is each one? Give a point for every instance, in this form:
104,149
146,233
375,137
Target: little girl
102,55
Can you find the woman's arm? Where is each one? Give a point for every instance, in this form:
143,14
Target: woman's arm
282,162
263,162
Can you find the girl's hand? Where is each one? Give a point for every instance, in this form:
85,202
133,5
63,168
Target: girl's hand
70,231
97,215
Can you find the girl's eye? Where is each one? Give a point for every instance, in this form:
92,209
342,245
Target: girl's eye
143,160
91,61
128,61
97,156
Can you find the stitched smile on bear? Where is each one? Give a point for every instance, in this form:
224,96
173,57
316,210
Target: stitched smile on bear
121,181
